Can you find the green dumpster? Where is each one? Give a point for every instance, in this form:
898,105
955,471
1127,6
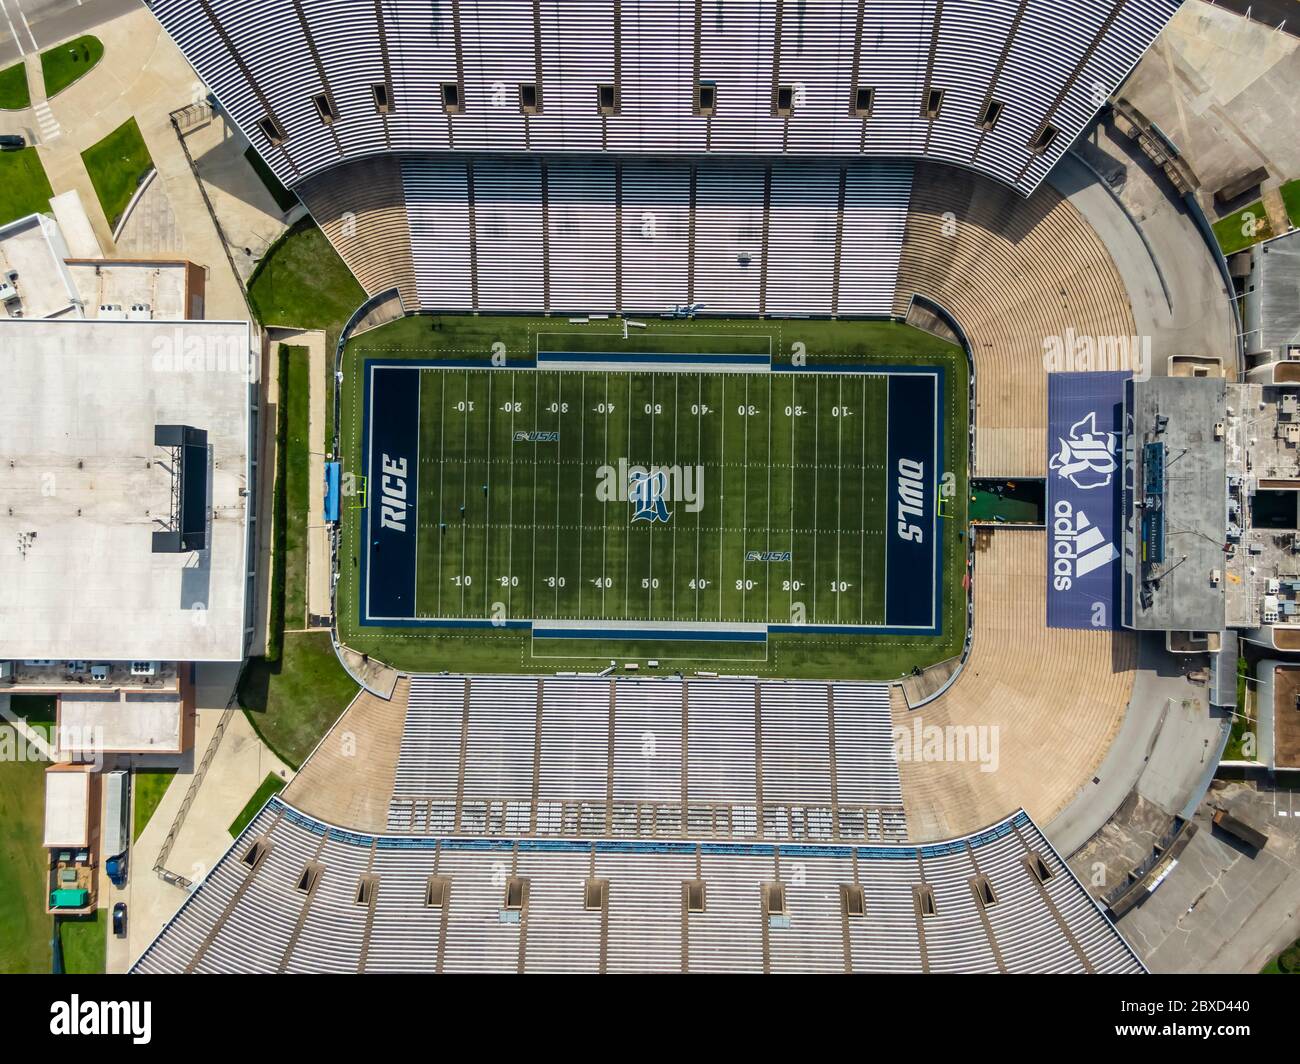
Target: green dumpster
69,899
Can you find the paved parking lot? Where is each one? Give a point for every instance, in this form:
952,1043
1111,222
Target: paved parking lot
1226,908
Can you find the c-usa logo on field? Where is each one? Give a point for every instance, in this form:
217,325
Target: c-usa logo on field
649,494
1087,458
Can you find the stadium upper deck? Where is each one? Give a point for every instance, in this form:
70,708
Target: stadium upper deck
1002,87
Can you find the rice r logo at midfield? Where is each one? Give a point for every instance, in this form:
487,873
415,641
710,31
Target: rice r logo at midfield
651,489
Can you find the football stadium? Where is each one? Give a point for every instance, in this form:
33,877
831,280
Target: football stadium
785,487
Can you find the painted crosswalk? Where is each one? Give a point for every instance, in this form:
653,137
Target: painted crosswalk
49,125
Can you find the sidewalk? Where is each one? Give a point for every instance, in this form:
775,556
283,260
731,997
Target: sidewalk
318,544
241,763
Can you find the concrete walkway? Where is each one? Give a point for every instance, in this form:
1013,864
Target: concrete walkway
240,765
142,75
318,547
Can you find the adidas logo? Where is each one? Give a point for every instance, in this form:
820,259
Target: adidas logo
1078,546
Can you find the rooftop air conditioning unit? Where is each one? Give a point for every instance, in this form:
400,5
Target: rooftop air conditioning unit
112,312
1270,614
140,312
144,668
99,672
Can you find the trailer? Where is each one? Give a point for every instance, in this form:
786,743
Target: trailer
117,824
1240,829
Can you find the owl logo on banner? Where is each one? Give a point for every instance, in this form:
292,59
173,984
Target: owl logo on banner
1087,459
648,493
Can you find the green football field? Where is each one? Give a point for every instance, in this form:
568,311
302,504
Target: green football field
523,504
777,500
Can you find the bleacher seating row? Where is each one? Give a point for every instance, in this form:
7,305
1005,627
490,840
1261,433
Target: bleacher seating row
593,234
634,758
295,894
906,78
1014,273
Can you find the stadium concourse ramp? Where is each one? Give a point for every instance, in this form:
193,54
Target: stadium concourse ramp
1036,708
296,894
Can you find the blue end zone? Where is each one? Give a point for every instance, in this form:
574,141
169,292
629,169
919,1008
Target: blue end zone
391,459
912,554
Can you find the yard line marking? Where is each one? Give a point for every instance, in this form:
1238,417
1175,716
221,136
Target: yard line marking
442,466
839,498
699,449
744,513
604,525
649,590
532,578
862,518
464,491
510,539
677,378
722,498
767,584
790,512
817,419
582,480
487,507
627,531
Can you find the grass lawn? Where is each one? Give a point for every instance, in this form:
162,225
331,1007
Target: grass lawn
1291,197
85,943
293,702
1285,963
68,62
24,188
295,393
150,785
14,95
1239,747
273,784
284,199
1236,233
652,577
35,709
302,283
25,939
117,164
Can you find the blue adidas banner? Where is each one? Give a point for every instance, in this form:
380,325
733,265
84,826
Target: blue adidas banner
1085,444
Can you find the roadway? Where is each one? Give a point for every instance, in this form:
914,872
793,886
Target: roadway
28,26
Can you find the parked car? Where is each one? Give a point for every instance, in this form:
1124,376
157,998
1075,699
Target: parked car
12,142
119,919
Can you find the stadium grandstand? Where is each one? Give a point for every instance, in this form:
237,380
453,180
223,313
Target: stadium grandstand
294,894
835,160
1003,87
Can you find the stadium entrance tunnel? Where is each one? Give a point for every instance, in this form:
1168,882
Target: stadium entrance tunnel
1022,501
